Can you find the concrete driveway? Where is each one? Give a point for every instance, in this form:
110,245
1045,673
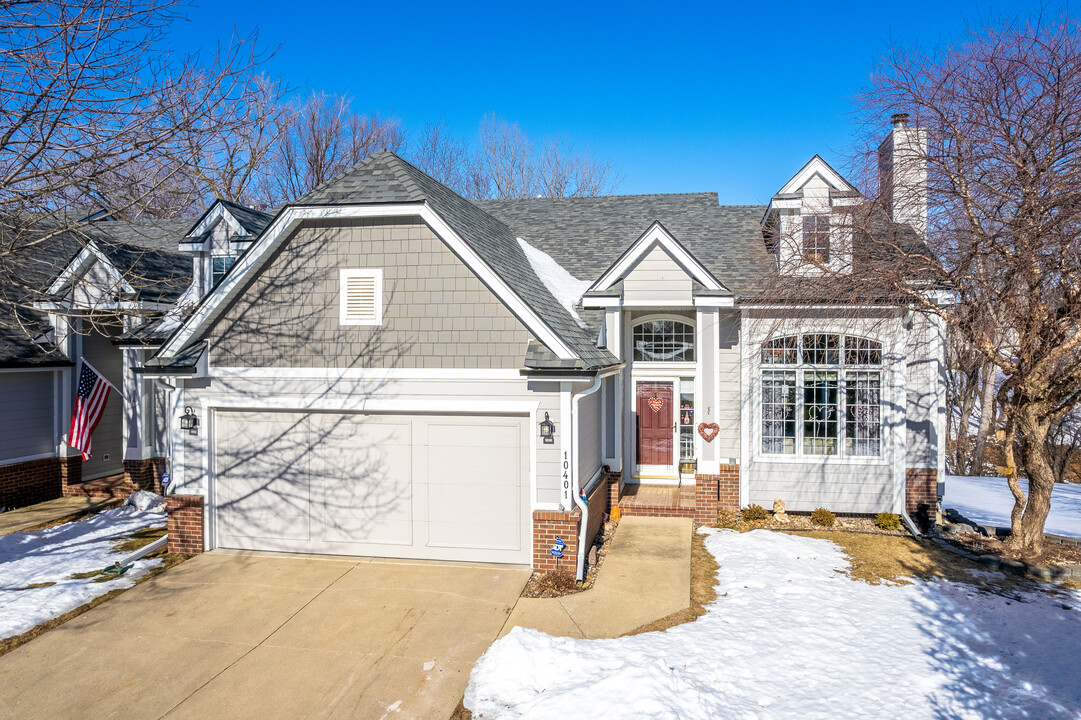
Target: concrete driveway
241,635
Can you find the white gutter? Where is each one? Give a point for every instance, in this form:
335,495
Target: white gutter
576,481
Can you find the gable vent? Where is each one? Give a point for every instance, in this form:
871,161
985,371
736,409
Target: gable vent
361,298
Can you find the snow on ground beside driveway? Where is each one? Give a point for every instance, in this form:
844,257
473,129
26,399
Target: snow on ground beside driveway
54,555
987,501
790,636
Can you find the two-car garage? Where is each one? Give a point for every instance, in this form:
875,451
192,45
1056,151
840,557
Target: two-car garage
438,487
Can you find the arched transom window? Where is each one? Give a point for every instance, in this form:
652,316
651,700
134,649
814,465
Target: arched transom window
822,395
663,341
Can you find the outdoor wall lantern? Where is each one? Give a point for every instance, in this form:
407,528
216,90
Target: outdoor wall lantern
548,431
189,422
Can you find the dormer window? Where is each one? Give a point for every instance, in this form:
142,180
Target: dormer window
219,267
816,239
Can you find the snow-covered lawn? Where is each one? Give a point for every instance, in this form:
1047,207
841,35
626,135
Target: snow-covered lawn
791,636
987,501
54,555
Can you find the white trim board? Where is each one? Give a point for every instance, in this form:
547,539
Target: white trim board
816,166
82,263
366,373
291,218
656,235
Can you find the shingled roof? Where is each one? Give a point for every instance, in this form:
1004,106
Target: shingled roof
587,235
387,178
144,252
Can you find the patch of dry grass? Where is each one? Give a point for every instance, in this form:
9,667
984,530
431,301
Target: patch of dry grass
895,559
138,540
72,517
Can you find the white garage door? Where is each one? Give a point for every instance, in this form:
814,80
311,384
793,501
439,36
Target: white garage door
441,487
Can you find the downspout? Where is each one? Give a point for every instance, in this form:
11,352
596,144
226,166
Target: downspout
576,480
169,390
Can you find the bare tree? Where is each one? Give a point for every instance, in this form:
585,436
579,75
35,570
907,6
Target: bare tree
92,106
233,162
1001,114
506,164
320,137
443,156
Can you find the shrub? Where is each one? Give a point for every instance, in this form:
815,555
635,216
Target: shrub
754,513
823,517
888,521
727,519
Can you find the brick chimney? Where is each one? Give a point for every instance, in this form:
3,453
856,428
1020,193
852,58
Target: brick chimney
902,174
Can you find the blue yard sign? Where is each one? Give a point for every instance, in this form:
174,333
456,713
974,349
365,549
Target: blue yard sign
557,549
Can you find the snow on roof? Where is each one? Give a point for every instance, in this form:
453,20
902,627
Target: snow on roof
565,288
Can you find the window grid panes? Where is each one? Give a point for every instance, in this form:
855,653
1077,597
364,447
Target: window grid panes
780,351
779,411
820,413
663,341
821,349
839,410
816,239
219,267
863,413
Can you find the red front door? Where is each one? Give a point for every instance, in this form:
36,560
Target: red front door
655,423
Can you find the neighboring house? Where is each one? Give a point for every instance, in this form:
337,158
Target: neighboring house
100,283
385,368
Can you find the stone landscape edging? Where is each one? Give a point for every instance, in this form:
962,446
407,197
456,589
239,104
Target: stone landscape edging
1011,567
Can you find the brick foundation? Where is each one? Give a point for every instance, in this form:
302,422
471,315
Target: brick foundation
549,525
716,492
144,474
30,482
185,524
921,488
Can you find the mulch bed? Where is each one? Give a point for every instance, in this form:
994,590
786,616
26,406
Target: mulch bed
557,583
801,521
1053,553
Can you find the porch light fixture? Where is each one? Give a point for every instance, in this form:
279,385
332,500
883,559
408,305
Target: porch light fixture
189,422
547,431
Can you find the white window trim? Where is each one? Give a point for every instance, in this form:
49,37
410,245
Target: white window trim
801,368
376,276
683,365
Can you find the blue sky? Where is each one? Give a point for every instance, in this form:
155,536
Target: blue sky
680,97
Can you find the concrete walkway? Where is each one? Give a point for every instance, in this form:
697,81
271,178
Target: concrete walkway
50,511
646,575
229,635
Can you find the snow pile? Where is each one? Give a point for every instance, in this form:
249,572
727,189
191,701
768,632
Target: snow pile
564,287
54,555
146,501
987,501
791,637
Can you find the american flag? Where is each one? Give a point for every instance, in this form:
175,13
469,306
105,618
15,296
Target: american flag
90,400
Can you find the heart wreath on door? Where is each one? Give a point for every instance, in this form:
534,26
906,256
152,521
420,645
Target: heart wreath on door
655,404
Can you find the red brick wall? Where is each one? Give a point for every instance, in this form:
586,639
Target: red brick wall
598,505
185,524
30,482
714,492
921,488
144,474
549,525
71,470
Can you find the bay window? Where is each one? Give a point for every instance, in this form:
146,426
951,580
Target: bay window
822,396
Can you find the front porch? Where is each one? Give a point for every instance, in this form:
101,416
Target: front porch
658,500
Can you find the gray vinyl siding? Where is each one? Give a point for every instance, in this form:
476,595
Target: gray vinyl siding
657,278
590,457
108,438
805,486
730,397
353,395
158,410
26,423
436,312
919,385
